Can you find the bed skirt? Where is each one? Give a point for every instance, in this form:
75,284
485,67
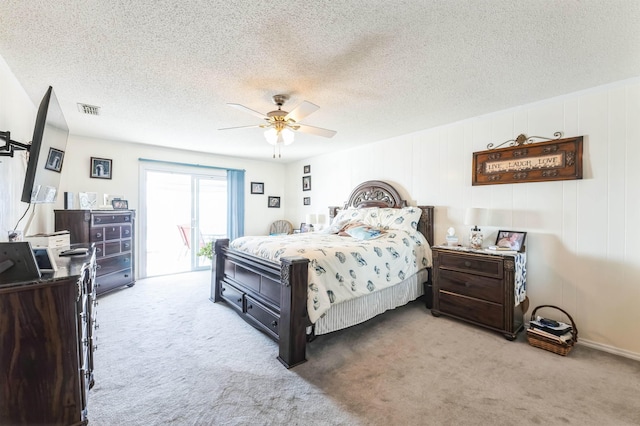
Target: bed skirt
356,311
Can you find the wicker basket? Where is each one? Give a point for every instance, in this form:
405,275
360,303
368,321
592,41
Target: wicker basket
560,348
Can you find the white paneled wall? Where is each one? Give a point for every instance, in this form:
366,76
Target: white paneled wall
582,242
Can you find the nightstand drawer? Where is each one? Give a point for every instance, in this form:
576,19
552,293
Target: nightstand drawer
486,313
472,264
477,286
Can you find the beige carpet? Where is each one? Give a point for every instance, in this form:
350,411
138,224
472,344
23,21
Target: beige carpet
167,355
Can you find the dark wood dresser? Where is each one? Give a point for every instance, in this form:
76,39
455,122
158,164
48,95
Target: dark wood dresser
112,232
478,288
46,345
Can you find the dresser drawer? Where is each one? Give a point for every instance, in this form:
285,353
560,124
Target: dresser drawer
114,280
107,265
479,311
232,295
263,315
101,219
96,234
125,246
111,248
478,286
112,232
472,264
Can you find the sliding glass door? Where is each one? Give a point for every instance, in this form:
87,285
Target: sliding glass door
183,209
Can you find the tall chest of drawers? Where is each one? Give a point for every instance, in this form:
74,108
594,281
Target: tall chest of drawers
477,288
112,232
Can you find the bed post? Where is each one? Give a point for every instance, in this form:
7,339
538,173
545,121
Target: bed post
293,311
217,269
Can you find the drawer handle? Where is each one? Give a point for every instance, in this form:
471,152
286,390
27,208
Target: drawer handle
274,323
248,306
467,263
99,235
98,266
126,260
97,219
99,250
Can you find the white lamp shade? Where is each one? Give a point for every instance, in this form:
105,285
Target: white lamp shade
474,216
287,136
271,135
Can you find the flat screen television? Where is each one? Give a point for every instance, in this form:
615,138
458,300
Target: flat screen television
46,152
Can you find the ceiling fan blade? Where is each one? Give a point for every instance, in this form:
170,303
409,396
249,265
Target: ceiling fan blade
241,127
249,110
318,131
301,111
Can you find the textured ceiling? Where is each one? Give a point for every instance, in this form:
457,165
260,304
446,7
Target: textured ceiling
163,71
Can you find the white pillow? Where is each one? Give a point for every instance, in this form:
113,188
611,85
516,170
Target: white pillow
405,218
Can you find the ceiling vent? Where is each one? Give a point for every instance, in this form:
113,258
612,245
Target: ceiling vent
89,109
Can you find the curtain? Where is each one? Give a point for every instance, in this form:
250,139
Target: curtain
235,209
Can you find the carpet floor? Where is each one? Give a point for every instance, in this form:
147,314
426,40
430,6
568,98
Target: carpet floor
167,355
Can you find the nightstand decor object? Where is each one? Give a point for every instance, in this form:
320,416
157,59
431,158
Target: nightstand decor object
452,239
481,288
475,217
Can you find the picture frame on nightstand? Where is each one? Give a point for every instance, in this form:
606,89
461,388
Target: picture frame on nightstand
510,240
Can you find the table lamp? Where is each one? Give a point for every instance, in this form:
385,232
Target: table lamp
475,217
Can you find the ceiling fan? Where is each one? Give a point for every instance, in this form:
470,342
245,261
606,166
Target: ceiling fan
280,125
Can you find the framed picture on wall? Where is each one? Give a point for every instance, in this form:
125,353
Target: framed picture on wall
274,202
257,187
306,183
100,168
54,160
306,170
306,201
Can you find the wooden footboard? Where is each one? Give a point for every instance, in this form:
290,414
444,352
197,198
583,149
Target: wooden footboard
270,296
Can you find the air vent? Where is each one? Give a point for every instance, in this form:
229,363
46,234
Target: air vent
89,109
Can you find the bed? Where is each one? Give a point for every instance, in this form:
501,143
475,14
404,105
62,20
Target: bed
374,256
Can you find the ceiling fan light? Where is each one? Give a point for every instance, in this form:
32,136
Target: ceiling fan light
271,135
287,136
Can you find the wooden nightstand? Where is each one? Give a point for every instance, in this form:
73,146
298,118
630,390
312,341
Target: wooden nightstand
477,287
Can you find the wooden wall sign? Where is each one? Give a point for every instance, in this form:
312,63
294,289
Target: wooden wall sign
559,159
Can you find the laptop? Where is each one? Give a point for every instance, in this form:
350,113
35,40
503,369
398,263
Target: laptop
17,263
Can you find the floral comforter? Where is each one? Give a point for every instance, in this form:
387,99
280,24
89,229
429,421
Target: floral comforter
344,267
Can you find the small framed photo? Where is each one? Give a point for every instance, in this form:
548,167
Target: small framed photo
306,170
54,160
100,168
304,227
257,187
274,202
306,201
306,183
512,240
120,204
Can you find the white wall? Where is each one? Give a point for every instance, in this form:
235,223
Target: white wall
17,115
582,241
125,175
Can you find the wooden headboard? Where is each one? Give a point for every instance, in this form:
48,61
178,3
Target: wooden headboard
376,193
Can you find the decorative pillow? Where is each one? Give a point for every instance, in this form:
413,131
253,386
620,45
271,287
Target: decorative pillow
342,218
364,232
405,218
